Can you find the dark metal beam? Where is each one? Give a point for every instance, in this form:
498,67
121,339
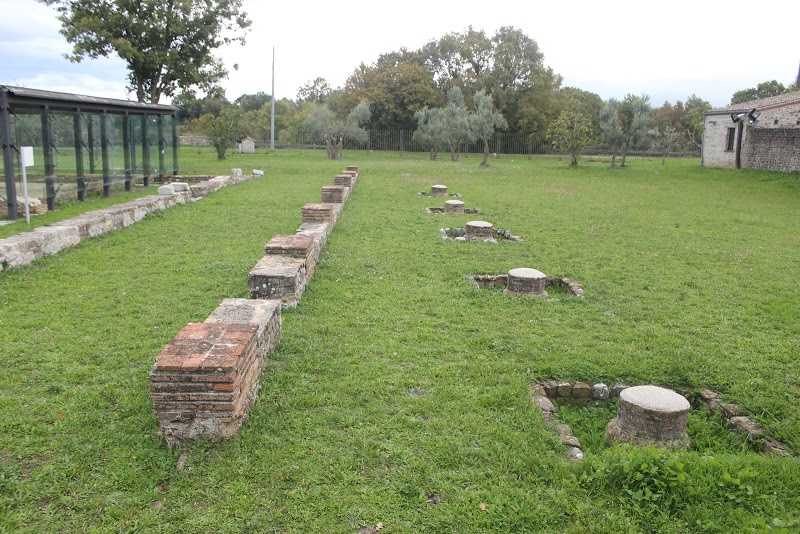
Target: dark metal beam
49,164
104,142
161,144
126,149
77,128
8,157
146,149
174,146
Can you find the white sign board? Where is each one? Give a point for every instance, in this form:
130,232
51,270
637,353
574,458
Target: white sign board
26,152
26,158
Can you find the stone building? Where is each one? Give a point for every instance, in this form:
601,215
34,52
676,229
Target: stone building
760,134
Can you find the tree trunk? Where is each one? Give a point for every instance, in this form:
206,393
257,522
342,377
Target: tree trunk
614,158
573,158
485,162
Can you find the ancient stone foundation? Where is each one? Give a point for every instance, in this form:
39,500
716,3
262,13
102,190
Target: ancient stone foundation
345,179
651,415
526,282
479,231
454,206
439,191
318,213
206,379
334,194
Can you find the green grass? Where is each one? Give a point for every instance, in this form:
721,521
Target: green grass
397,380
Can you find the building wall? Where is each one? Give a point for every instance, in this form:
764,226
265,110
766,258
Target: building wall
715,139
781,118
775,149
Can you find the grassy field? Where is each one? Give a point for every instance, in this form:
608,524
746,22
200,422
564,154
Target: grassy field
399,395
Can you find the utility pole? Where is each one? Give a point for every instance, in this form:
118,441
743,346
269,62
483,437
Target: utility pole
272,115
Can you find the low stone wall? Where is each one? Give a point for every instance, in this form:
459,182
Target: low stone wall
25,248
205,381
773,149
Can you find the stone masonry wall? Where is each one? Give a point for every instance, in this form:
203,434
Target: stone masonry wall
25,248
774,149
780,117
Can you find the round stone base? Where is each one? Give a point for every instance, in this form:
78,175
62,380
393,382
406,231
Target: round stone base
439,191
453,206
479,231
526,282
651,415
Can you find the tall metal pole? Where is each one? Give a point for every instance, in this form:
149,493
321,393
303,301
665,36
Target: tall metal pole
272,115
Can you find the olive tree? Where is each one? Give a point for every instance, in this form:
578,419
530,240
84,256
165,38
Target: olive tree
324,126
430,130
484,121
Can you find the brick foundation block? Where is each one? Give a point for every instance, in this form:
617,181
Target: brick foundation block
205,381
334,194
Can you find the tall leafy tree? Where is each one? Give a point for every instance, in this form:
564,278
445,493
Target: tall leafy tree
397,86
484,120
762,90
253,101
571,131
167,44
316,91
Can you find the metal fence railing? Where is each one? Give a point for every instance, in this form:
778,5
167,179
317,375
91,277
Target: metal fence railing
403,141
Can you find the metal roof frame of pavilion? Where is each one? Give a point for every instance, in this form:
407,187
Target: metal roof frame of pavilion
46,101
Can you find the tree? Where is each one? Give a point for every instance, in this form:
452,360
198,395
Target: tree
430,132
223,130
166,44
324,126
571,130
610,128
315,92
666,137
397,86
692,120
253,102
455,122
484,120
634,119
190,107
762,90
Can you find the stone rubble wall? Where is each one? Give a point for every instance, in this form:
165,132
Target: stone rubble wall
772,149
25,248
205,381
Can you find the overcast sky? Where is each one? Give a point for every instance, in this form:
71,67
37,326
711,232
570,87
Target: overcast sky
667,50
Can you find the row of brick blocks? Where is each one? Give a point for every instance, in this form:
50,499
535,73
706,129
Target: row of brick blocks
205,381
